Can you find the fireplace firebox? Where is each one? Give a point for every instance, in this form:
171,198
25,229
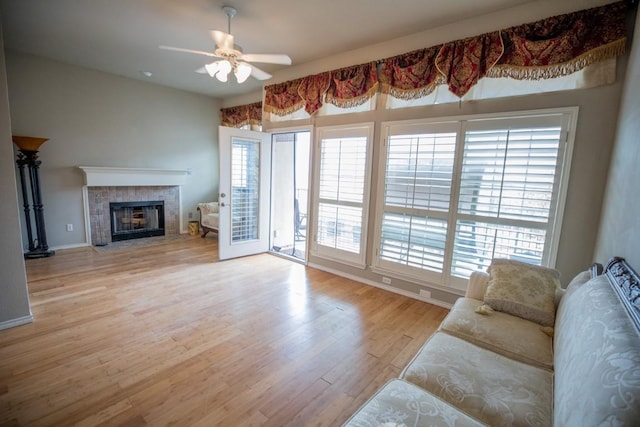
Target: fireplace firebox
134,220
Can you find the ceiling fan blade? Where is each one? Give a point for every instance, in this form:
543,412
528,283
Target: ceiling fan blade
180,49
259,74
223,40
267,58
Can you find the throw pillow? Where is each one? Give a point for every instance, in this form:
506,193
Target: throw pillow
522,289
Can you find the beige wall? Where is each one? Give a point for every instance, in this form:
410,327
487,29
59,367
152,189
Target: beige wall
98,119
14,298
620,225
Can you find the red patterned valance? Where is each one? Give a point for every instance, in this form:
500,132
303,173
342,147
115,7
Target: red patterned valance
345,88
283,98
250,114
312,90
561,45
548,48
255,113
464,62
353,86
411,75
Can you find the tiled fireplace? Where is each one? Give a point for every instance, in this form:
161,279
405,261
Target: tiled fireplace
108,185
99,213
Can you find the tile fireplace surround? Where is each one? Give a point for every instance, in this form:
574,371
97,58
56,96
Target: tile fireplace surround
110,184
100,197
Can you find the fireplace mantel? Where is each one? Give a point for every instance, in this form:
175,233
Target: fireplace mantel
105,176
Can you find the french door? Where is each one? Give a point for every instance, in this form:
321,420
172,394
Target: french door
245,158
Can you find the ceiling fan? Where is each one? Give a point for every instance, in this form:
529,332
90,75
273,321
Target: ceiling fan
229,56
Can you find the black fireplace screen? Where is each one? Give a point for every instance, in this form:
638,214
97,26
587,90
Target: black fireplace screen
133,220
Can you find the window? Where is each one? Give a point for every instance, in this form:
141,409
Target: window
417,193
457,194
245,186
342,189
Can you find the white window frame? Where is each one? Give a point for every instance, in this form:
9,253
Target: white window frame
333,254
411,127
445,280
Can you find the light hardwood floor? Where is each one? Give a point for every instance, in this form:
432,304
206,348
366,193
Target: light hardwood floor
166,335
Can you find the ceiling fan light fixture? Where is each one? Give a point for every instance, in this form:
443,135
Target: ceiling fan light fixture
224,68
231,57
243,71
212,68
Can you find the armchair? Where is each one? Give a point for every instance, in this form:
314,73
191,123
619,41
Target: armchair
209,217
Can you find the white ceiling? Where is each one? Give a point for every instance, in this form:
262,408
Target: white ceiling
122,36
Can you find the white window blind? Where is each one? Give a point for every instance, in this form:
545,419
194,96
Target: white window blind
342,188
457,194
507,187
417,193
245,186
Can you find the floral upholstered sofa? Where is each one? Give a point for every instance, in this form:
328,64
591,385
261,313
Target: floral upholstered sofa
209,217
506,356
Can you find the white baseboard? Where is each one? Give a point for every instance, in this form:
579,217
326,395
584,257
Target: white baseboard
16,322
382,286
71,246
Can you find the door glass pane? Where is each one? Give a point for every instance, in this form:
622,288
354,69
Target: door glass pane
289,193
245,189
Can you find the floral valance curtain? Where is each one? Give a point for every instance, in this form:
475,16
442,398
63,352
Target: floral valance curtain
345,88
553,47
564,44
462,63
353,86
411,75
250,114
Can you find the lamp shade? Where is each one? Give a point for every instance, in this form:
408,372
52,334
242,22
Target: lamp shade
212,68
243,72
224,68
28,143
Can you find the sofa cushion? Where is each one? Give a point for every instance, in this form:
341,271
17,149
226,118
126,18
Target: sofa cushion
511,336
597,358
522,289
400,403
486,385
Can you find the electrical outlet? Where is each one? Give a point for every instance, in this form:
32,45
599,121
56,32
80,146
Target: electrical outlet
276,233
425,293
386,280
190,215
69,227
